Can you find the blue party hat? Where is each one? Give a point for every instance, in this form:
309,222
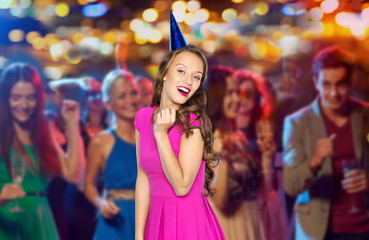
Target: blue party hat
176,37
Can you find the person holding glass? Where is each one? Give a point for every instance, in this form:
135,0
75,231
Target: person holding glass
30,155
326,155
242,175
255,121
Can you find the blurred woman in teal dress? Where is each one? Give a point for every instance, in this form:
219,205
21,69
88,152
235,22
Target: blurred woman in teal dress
24,132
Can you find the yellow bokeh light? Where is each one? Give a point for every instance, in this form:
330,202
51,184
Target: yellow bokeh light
276,36
83,2
74,60
316,14
160,5
50,42
38,43
16,35
31,36
150,15
139,39
62,9
262,8
109,37
51,36
77,38
229,14
237,1
258,50
179,6
328,30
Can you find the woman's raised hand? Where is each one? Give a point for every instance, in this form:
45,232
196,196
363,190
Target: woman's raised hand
70,111
165,119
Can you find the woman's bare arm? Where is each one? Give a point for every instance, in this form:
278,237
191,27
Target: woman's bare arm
142,195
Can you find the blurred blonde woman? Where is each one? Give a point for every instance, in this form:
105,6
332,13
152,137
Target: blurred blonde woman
113,152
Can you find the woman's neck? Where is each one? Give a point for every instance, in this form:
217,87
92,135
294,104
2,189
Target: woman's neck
226,126
94,119
23,133
125,129
243,121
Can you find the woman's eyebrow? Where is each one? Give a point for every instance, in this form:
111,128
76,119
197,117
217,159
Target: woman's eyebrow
187,67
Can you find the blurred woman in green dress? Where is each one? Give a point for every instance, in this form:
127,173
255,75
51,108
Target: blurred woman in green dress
24,132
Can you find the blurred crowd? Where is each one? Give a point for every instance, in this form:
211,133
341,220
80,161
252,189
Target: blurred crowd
294,160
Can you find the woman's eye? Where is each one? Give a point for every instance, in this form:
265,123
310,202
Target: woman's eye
180,71
31,98
15,98
197,77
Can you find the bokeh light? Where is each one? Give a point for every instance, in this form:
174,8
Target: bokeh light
329,6
179,6
262,8
316,14
150,15
106,48
4,4
56,50
193,6
202,15
229,14
180,15
31,36
16,35
95,10
62,9
190,19
53,73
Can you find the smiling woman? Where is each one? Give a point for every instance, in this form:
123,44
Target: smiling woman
24,132
174,154
22,101
113,153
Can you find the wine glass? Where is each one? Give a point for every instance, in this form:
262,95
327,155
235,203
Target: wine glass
348,165
17,172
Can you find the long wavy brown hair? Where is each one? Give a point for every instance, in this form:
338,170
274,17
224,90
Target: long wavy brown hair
196,105
46,155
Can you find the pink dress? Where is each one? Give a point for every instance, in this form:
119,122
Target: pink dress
170,216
